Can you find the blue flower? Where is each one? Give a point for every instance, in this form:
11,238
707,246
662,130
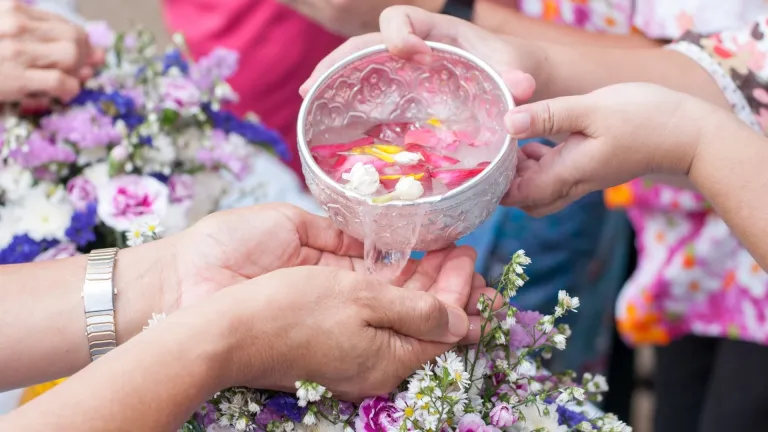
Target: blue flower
287,406
80,229
87,96
253,132
120,106
570,417
23,249
174,58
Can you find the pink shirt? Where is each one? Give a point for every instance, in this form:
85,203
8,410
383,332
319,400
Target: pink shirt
279,49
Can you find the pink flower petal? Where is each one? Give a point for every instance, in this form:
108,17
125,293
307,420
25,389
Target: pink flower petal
434,160
455,177
331,150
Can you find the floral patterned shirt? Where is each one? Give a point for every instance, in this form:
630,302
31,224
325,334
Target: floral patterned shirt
693,276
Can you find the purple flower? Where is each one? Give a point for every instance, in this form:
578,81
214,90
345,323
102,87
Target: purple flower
81,192
287,406
23,249
377,414
182,187
219,65
524,332
100,34
80,230
174,59
227,151
63,250
41,151
474,423
570,418
83,126
503,415
179,94
206,415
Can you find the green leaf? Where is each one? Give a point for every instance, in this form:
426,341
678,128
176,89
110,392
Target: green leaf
168,117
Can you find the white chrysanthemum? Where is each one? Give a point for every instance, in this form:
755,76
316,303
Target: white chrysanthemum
559,341
47,214
538,416
156,318
454,365
15,182
134,237
321,425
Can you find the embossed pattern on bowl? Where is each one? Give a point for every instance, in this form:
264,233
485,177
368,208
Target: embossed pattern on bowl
373,87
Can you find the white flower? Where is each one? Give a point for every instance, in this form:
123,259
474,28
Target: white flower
156,318
408,188
407,158
98,173
559,341
15,182
454,365
8,225
538,416
160,156
47,214
564,397
526,368
362,178
134,237
546,323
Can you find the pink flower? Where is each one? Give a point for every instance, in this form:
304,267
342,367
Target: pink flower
182,187
41,151
502,415
81,192
62,250
179,94
129,197
377,414
474,423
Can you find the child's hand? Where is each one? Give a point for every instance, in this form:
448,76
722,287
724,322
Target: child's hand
617,133
405,28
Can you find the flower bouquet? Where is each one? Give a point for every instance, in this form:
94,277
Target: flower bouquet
145,143
497,385
146,137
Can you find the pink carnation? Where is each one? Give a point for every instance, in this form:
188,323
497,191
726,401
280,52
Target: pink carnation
474,423
182,188
179,94
60,251
81,192
128,197
377,414
503,415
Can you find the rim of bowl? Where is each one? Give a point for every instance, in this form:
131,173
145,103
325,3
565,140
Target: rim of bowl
306,154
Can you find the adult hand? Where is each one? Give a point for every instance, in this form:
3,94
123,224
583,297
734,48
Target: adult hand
352,17
42,55
354,334
618,133
230,247
405,28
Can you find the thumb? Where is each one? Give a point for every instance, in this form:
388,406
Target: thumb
548,117
420,315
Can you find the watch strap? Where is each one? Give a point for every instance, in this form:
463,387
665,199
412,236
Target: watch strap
99,301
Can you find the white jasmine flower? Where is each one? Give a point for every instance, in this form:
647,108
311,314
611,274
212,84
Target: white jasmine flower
407,158
559,341
408,188
362,178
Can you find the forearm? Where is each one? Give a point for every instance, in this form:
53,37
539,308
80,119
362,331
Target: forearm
729,169
566,71
504,19
152,383
42,319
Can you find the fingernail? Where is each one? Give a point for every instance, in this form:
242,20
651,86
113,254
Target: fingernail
518,124
458,323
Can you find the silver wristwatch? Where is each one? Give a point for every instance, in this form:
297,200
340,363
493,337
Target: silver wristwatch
99,298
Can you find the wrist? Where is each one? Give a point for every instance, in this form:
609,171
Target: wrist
142,276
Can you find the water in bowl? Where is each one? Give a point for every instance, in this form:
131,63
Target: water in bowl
400,161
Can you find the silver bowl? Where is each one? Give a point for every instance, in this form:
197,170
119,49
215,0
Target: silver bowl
371,87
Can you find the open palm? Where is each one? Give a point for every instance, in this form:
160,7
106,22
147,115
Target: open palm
229,247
